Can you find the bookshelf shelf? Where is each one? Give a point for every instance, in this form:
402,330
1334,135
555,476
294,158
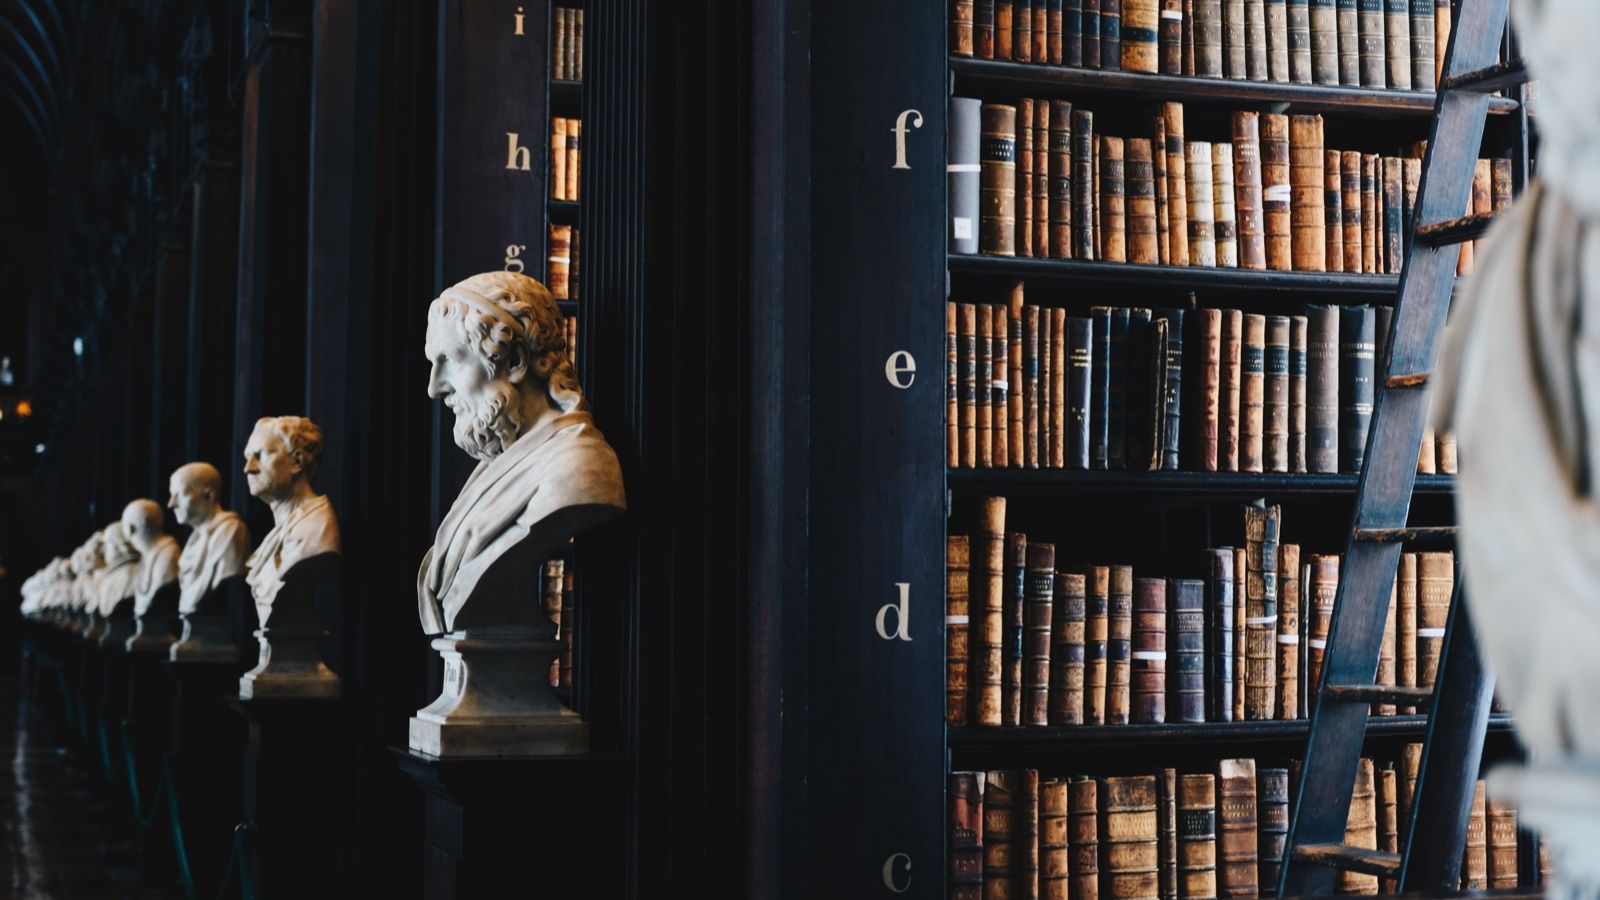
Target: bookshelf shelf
563,212
566,97
1300,284
1218,485
979,77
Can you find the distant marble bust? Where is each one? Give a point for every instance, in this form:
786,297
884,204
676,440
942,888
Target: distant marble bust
280,459
220,542
88,564
143,523
499,362
121,571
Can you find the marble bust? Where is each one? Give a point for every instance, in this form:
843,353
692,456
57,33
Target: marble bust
158,551
280,460
220,541
122,568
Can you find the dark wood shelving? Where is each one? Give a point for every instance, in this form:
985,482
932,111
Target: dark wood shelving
1190,277
563,212
1202,484
984,76
568,307
566,97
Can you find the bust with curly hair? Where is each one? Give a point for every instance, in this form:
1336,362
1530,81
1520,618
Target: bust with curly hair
279,461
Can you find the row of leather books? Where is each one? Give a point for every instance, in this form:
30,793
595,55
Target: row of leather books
566,44
1017,835
561,273
1040,181
556,596
1034,387
1033,638
1394,44
565,157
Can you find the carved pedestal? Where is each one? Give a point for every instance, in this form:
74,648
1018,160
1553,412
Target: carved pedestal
154,631
118,627
497,700
206,632
290,662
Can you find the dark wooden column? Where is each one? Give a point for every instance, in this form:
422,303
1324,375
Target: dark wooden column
169,357
213,283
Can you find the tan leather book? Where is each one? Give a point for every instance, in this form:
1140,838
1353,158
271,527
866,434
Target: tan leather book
997,177
1247,186
574,156
558,159
1261,610
1031,392
1405,618
1158,165
1475,858
558,47
1386,651
957,561
1046,360
1004,28
1059,189
988,605
1410,766
1388,820
1371,220
1129,855
1041,32
1176,36
1252,391
559,258
1037,618
1167,831
1547,869
1410,182
1113,213
1083,832
1392,190
1042,123
952,385
1276,189
1149,683
1446,441
1350,209
1435,582
1014,397
1333,207
1000,385
1027,886
966,835
1324,588
1299,360
1002,832
1239,567
1177,185
1016,594
984,342
1067,650
1143,247
1307,217
1272,831
1210,330
1058,388
1275,405
1118,683
961,28
1055,35
1427,453
967,339
1202,211
1288,636
1500,184
1023,191
1236,828
1441,37
1224,225
1502,820
1230,389
1197,837
1361,828
1055,853
1141,23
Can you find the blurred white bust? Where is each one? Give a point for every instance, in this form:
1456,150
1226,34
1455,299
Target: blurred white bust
280,461
219,543
143,523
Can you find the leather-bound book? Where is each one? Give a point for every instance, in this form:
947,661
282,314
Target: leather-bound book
1141,22
1388,820
1225,224
1171,37
1410,768
1024,173
1278,40
1324,588
1209,330
1111,34
966,835
1324,42
1386,653
985,392
1392,198
1219,634
1188,37
1500,184
1240,566
957,562
1072,32
1422,50
1307,217
1427,454
1297,393
1083,835
1275,439
952,385
1502,820
1167,832
1041,30
1015,420
1142,244
1197,837
1119,645
1027,867
1435,582
983,29
1357,351
1236,828
1349,44
1371,213
1055,852
1041,178
1138,424
1288,637
560,261
1079,349
1031,370
574,156
1059,188
1235,62
1546,864
1186,603
1361,829
963,168
1482,193
1441,37
1129,839
1037,616
1369,23
1067,651
1083,199
1447,452
1105,651
997,181
1156,416
1002,832
1475,858
1275,190
1252,391
1004,30
1255,40
1261,610
558,158
1113,216
1350,209
1012,630
1177,184
999,386
1397,29
1410,183
1202,216
967,340
1248,214
1208,27
988,582
1148,696
1091,34
1058,388
1230,377
1046,385
560,64
961,27
1158,166
1118,391
1272,830
1405,618
1100,387
1322,388
1055,47
1299,36
1172,391
1332,207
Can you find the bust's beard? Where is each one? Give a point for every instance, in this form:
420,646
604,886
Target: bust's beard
487,422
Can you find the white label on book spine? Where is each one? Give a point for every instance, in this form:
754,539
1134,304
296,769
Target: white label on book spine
955,620
962,167
1430,632
1174,14
1288,638
1276,193
1318,643
1261,620
1151,655
961,227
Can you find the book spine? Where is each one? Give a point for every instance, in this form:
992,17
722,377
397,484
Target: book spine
1015,398
1349,43
1397,29
1158,166
1149,704
558,47
967,339
961,27
1100,387
1247,190
1502,822
1225,227
1105,646
558,158
1188,38
1371,36
1141,25
1037,616
1272,830
1405,619
966,835
1276,405
574,156
1324,588
987,585
1371,213
1299,16
1055,848
1202,220
1142,244
1277,40
1030,383
1119,645
1435,582
1068,650
1255,39
1171,37
1111,34
1482,194
999,384
1361,829
1239,625
1210,387
1386,653
1015,602
1001,832
1113,216
1324,42
1059,188
1252,391
1197,837
1208,27
985,386
1041,31
983,29
958,563
1276,191
1083,833
1357,349
1046,383
1308,222
1219,633
1261,610
1177,185
1172,392
1188,643
1393,213
1072,33
1079,347
1230,376
1475,858
1091,34
1388,821
1129,838
997,176
963,168
1410,765
1441,37
1297,393
1447,452
1236,828
1024,173
1350,213
1055,34
1289,631
1058,388
1138,424
1234,55
1027,866
952,385
1500,184
1041,178
1083,175
1004,30
1322,388
1422,48
1333,210
1118,389
1167,832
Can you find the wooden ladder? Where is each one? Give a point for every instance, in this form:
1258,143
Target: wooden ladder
1458,705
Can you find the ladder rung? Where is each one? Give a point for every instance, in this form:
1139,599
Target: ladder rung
1351,859
1489,79
1415,379
1379,693
1454,231
1405,535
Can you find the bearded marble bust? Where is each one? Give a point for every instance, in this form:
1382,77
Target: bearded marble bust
219,543
500,364
143,523
280,461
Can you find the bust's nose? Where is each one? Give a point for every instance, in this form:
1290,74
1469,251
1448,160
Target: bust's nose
436,384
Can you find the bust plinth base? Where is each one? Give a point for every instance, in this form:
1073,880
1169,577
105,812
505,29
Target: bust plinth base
152,634
206,638
497,701
290,666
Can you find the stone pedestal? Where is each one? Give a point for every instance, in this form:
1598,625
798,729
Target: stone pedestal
148,727
207,743
290,662
497,699
205,637
155,630
118,628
